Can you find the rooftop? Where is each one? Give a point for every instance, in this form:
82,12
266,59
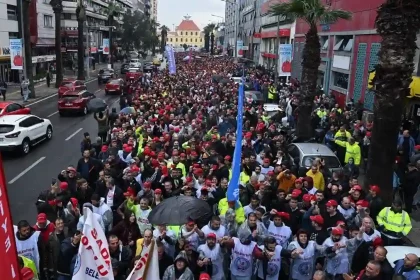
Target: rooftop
188,24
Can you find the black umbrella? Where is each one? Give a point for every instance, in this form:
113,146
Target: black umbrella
178,210
97,105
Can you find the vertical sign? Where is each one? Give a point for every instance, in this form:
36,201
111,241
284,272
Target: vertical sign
8,255
16,58
171,60
105,46
239,48
285,59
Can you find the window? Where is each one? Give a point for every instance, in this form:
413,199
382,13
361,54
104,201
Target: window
341,80
201,40
11,12
170,39
13,35
176,39
344,43
196,40
181,39
196,33
48,21
181,32
324,42
13,107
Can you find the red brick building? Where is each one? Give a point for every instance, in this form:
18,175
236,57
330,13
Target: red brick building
348,51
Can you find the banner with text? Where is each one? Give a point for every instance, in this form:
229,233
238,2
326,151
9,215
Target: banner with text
147,267
8,254
239,48
16,56
233,187
105,46
285,59
93,259
171,59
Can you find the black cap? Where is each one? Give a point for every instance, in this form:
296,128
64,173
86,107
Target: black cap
86,134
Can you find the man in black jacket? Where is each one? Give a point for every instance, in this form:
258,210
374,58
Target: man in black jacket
164,260
69,249
120,253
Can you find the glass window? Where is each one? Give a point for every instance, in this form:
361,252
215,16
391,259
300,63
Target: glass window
349,46
11,12
181,39
338,45
13,35
341,80
196,33
181,32
48,22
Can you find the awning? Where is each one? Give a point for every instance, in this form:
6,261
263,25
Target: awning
45,42
414,86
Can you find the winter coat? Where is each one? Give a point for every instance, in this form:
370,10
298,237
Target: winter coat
170,271
244,230
67,252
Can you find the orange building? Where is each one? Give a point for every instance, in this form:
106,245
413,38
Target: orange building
187,32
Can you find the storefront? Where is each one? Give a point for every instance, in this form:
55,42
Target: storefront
6,73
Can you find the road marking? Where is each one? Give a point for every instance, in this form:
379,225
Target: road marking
26,170
50,115
71,136
98,90
38,101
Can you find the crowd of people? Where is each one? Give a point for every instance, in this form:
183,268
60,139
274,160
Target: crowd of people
290,222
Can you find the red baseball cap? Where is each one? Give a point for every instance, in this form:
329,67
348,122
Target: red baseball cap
41,218
283,215
211,235
363,203
27,274
331,202
158,191
64,186
375,189
204,276
129,192
299,180
317,219
228,158
296,193
74,201
357,188
337,231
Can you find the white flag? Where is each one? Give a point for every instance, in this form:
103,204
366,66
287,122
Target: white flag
93,260
147,267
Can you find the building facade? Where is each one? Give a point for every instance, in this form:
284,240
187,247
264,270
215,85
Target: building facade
349,51
153,9
186,33
9,29
231,22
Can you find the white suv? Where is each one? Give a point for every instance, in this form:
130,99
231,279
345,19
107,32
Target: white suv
20,132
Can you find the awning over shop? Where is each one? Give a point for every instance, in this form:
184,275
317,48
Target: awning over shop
414,86
45,42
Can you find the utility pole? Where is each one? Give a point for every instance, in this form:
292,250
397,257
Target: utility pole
236,26
23,39
87,51
276,78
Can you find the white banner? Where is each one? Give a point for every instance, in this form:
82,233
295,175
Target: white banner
93,260
147,267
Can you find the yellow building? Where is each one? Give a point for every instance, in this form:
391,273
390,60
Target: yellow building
186,33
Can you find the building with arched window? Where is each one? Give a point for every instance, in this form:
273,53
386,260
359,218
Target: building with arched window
186,33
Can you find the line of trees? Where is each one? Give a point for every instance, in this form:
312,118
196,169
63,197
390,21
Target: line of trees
398,22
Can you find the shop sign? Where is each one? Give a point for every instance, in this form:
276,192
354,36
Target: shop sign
93,50
5,51
43,58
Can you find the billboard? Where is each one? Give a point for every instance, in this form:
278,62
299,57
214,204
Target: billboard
239,48
285,59
16,56
105,46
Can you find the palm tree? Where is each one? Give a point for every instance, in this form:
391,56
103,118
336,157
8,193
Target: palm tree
154,39
112,11
27,46
208,29
57,6
312,12
81,18
164,35
397,22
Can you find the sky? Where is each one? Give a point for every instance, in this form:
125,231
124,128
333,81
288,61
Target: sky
172,12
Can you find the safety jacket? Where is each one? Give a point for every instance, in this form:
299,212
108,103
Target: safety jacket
394,222
271,92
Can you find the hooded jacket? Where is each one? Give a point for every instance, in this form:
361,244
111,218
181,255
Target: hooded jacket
170,271
244,230
106,213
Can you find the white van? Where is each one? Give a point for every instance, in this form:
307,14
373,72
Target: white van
135,63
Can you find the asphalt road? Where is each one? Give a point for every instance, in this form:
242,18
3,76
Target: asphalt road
28,176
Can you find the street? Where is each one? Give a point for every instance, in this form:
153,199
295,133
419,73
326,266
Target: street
28,176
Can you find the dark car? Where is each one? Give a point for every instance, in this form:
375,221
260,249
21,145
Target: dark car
148,67
124,68
105,75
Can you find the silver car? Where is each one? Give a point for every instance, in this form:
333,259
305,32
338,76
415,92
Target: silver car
308,152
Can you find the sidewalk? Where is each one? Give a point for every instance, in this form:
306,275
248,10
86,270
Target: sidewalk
41,89
414,235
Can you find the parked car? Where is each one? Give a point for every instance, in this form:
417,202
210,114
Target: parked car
148,67
104,75
124,68
272,109
305,153
114,86
75,102
11,108
71,84
396,253
133,74
135,63
21,132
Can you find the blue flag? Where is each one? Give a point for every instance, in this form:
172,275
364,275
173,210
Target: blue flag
233,187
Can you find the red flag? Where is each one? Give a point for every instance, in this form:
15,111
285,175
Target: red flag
8,255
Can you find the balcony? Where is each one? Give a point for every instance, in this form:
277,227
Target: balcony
69,23
102,3
69,4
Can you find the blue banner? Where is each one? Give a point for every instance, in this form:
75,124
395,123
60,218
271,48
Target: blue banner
233,187
171,60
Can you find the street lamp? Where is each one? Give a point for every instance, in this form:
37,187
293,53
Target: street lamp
236,22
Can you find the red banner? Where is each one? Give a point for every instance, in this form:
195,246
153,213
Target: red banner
8,255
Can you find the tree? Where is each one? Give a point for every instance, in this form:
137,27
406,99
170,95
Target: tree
27,46
81,18
57,6
397,22
207,30
212,43
112,11
312,12
163,37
